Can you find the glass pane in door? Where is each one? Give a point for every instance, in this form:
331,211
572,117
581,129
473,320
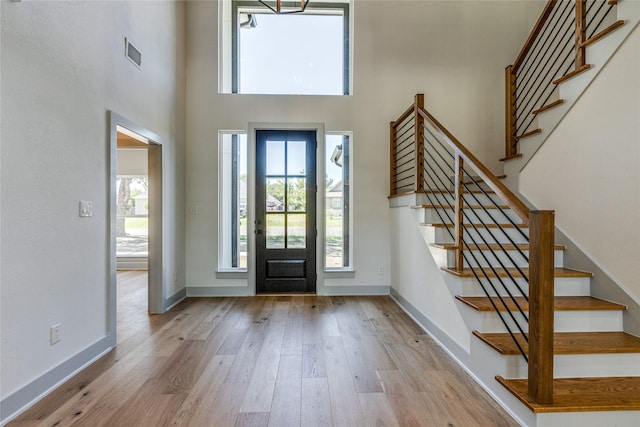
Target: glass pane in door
296,157
296,195
275,231
275,158
296,231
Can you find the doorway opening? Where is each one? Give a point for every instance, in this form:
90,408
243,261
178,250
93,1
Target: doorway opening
135,226
285,211
132,202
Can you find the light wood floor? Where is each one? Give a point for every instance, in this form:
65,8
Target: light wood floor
268,361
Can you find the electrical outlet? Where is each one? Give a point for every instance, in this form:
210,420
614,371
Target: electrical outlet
381,270
54,333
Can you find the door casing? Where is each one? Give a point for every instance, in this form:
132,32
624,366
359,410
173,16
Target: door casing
251,192
290,262
156,288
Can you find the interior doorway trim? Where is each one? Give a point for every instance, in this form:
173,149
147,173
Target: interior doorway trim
156,277
251,193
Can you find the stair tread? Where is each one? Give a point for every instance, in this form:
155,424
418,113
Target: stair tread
495,247
439,224
602,33
528,134
564,303
557,272
582,394
514,156
571,74
548,106
567,342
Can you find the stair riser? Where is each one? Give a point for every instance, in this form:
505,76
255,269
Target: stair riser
486,258
469,199
564,321
587,419
471,216
480,236
564,365
564,286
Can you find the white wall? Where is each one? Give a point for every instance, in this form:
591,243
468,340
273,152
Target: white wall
132,161
420,281
587,170
63,68
453,51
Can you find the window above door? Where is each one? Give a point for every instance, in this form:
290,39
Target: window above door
294,54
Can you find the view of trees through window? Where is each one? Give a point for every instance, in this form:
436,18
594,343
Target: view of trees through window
132,216
233,203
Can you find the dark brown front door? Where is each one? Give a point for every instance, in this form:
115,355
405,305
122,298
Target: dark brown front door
285,224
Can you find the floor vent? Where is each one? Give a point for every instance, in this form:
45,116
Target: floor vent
132,53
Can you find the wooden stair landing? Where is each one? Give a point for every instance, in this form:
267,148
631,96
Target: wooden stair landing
567,342
569,303
583,394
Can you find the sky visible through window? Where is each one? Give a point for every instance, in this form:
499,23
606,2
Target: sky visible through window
292,54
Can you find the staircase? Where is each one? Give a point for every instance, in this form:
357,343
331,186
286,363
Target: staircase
596,364
548,351
529,126
552,354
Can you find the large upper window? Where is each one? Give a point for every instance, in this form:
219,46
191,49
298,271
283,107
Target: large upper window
290,54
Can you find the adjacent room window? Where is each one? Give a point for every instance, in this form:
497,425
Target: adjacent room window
338,195
300,54
232,194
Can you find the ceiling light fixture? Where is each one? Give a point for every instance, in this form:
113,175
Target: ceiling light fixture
282,8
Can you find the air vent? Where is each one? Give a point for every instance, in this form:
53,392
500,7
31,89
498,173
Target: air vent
132,53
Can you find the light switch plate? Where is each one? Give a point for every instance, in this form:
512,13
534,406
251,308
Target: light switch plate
86,209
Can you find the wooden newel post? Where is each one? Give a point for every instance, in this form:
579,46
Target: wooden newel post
419,130
510,112
392,158
541,302
581,27
458,214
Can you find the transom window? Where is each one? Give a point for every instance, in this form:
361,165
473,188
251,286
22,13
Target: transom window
289,54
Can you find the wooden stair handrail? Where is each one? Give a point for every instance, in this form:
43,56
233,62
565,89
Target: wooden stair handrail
404,115
579,65
489,178
534,34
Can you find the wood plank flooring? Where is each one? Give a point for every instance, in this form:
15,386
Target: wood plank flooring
268,361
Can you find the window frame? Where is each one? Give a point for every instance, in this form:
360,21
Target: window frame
230,237
347,204
313,9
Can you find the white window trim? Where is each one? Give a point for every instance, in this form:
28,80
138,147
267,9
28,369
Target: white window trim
339,272
225,42
226,272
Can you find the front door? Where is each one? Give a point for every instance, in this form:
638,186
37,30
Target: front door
285,224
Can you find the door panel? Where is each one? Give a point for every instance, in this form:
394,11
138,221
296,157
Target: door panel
285,223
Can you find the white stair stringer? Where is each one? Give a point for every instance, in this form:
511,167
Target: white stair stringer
597,54
485,363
